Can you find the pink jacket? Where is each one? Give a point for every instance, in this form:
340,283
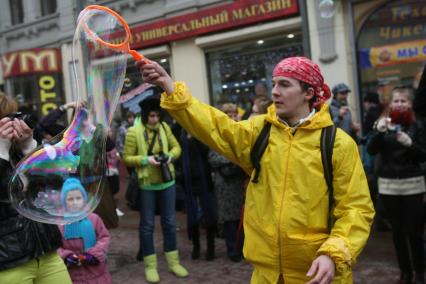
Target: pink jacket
89,274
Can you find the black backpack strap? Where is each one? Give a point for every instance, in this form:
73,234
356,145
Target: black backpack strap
151,145
258,150
328,136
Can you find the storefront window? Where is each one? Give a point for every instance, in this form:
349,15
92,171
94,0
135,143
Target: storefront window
392,49
238,73
25,86
16,11
48,7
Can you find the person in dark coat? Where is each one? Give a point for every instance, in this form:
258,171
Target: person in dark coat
28,248
419,107
340,111
48,126
228,180
198,188
401,182
372,111
419,104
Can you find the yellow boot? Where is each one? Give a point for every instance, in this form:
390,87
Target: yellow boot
172,258
151,273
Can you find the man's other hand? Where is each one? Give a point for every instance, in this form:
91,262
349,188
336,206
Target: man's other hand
322,270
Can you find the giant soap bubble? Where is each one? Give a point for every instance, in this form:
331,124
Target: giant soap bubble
37,186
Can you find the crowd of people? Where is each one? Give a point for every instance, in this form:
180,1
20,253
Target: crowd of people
300,212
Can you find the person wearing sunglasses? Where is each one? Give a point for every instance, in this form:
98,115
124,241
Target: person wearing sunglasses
28,248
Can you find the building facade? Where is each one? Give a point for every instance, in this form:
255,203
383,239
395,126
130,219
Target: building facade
224,50
391,46
31,35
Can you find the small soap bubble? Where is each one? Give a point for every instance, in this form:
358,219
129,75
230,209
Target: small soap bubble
326,8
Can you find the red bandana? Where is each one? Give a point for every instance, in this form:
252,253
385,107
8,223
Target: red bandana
303,69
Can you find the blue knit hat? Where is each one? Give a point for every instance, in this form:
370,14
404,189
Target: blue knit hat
80,229
72,184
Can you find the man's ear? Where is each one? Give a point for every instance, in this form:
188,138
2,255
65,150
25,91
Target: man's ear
310,93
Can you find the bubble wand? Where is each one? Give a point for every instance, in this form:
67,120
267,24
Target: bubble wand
123,46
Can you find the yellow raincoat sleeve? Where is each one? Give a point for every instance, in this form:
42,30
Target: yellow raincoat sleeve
354,211
211,126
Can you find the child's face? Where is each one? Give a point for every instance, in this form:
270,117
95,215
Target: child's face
74,200
400,101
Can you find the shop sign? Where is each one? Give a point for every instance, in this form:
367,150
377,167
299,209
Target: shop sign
42,64
32,61
48,86
386,55
400,21
236,14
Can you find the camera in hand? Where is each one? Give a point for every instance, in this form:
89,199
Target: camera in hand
164,166
29,119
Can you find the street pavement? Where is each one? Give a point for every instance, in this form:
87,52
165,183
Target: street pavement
126,270
376,265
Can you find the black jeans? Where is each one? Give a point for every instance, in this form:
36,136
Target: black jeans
230,230
405,213
114,184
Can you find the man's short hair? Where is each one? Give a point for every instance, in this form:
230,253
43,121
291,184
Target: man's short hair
305,86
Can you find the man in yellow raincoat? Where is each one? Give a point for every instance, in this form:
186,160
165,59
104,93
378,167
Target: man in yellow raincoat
286,212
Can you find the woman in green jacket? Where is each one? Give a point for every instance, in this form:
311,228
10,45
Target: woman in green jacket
150,147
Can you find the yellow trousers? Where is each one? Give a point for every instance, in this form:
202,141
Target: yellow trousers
46,269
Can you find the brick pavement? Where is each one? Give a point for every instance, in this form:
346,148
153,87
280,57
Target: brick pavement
377,264
126,270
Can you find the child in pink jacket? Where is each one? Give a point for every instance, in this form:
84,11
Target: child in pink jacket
85,242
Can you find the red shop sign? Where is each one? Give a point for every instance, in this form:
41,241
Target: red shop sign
237,14
31,61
